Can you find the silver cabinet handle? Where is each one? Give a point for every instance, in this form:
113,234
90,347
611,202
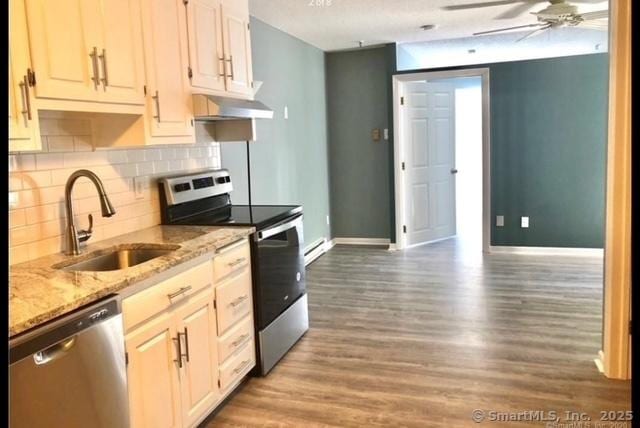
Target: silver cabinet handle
236,262
241,366
156,97
221,58
54,352
239,340
94,63
239,300
177,340
105,79
230,61
186,343
182,290
26,101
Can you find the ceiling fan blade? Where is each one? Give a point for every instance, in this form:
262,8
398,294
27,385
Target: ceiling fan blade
515,11
598,14
595,25
534,33
482,4
499,30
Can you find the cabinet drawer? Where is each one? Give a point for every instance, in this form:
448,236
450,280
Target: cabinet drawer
237,365
231,259
233,300
159,297
237,336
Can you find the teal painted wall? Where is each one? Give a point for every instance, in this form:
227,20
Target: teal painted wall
289,163
548,146
358,102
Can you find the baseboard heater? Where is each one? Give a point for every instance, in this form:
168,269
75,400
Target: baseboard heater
314,251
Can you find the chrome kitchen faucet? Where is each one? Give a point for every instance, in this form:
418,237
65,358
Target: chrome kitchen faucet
74,237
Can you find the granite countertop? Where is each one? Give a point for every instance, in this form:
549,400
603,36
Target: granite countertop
38,292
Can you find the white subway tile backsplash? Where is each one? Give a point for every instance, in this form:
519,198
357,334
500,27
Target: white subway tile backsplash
37,182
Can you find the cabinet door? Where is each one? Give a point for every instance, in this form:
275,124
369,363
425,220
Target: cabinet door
24,129
196,323
169,105
205,44
237,46
154,392
120,53
60,50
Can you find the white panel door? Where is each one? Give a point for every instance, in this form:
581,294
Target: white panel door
237,46
169,104
206,57
62,49
198,335
429,158
152,374
120,53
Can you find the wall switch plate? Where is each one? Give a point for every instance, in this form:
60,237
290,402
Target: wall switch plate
499,220
138,187
385,133
524,222
375,134
327,219
14,200
286,112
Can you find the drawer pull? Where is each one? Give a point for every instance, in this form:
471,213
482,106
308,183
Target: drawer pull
182,290
241,366
239,300
237,262
239,340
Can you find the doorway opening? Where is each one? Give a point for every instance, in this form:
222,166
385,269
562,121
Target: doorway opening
442,158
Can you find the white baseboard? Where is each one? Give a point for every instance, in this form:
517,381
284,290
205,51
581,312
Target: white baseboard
361,241
555,251
600,362
393,246
319,247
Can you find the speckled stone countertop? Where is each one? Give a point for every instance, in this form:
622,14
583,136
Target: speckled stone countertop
38,292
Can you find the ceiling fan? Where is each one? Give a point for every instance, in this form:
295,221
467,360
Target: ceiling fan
558,13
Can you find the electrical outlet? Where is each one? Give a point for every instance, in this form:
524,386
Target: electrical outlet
138,187
499,220
386,133
14,199
327,219
286,112
524,222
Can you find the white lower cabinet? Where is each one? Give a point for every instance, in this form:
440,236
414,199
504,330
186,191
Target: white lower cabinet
179,366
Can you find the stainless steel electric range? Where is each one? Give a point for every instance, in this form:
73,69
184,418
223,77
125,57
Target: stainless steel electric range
277,252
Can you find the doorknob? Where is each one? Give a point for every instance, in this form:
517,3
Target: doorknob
454,171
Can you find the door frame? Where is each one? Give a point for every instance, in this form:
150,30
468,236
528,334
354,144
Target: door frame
399,146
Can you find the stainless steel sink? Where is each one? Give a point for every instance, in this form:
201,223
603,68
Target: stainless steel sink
117,258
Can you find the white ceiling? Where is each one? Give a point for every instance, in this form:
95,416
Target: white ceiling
340,24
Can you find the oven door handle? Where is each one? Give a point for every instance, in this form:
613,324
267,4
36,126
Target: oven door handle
280,227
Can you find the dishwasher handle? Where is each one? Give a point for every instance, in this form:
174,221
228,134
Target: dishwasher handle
54,352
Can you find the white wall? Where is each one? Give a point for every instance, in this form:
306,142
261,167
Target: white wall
37,180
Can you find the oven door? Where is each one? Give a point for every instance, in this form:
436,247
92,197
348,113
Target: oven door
280,268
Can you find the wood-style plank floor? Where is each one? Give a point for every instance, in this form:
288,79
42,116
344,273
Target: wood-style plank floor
421,338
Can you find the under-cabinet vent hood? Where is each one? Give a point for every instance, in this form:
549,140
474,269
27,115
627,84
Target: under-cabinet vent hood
213,108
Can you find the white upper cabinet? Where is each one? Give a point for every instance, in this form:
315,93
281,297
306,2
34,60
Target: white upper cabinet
237,46
220,46
24,130
169,106
87,50
206,57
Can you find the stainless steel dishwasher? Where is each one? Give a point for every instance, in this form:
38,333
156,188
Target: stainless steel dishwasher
72,372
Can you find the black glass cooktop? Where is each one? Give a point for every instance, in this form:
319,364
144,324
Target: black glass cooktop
259,216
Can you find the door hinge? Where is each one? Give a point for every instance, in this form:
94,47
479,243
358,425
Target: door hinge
252,83
144,88
401,101
186,2
31,77
629,327
190,72
248,26
403,167
404,229
214,304
219,383
126,358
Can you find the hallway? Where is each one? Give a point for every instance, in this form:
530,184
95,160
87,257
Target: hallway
425,336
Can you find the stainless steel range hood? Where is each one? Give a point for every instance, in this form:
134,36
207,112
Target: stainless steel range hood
210,108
